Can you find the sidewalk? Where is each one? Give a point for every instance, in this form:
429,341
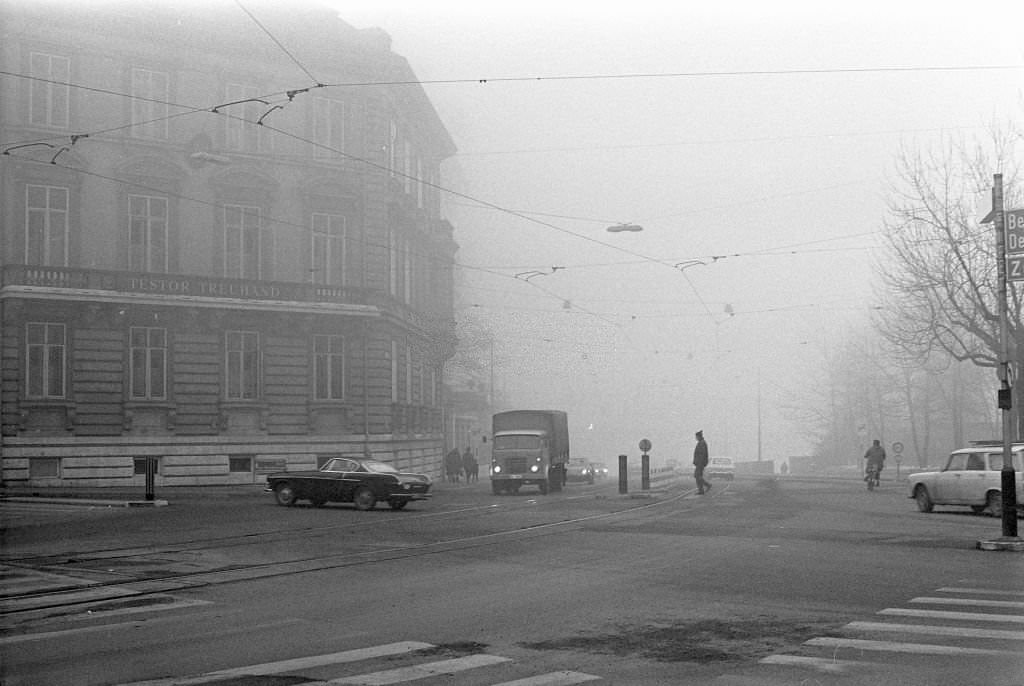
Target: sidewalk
122,496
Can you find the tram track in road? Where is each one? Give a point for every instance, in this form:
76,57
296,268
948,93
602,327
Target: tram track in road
126,588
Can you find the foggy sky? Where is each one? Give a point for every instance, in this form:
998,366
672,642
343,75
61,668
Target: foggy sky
770,147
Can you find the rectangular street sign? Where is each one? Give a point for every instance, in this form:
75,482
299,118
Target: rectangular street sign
1014,232
1015,268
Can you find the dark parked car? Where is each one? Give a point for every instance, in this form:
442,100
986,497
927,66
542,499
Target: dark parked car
579,469
344,480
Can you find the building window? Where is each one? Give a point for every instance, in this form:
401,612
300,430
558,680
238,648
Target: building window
394,371
243,133
44,468
406,273
328,127
148,363
408,375
147,233
150,94
45,360
329,240
329,367
392,148
242,365
240,464
49,95
46,225
393,254
242,227
139,465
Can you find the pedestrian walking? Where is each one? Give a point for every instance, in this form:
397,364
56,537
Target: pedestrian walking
700,461
469,466
452,465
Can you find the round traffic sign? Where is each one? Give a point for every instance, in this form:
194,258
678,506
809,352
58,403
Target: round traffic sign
897,447
645,445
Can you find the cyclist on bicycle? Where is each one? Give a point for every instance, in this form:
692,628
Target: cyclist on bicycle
876,460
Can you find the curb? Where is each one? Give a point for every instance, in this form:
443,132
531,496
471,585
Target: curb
86,502
1010,543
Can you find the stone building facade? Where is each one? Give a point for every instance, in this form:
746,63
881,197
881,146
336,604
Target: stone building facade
222,247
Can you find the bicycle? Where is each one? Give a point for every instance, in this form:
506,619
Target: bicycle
872,476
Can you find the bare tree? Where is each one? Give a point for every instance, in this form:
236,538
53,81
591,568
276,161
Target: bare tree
939,277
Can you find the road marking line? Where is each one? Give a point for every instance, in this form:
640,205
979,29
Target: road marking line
894,647
296,664
820,663
986,591
969,601
60,598
552,679
439,668
932,630
948,614
23,638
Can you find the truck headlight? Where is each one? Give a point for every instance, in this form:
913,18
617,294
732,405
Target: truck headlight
497,469
534,468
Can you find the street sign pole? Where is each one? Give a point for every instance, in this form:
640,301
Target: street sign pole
1005,396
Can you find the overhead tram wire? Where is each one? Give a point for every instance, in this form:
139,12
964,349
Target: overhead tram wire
684,74
300,65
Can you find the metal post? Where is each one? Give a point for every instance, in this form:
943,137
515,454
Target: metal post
1009,487
645,472
623,478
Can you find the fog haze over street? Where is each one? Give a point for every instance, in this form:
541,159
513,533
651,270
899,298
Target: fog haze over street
753,144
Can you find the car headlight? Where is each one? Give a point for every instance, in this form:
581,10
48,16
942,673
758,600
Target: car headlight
534,468
497,469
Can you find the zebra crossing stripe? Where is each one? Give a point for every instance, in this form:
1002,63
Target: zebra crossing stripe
296,664
822,664
895,647
565,678
948,614
932,630
980,602
985,591
429,669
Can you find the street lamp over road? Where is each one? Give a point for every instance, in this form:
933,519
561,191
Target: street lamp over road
620,228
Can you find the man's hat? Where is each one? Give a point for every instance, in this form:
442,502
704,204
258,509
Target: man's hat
700,433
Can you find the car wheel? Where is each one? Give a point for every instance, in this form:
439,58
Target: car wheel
497,488
994,503
543,487
285,494
398,503
924,501
364,499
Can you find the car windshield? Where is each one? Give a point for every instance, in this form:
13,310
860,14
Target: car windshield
375,466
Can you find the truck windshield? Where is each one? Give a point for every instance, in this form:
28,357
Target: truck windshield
516,442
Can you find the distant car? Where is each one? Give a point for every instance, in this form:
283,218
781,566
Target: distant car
579,469
720,467
972,477
342,480
600,469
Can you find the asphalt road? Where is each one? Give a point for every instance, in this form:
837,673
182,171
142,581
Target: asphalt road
761,582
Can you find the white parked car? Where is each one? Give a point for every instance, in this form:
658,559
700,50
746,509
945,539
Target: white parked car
720,467
972,477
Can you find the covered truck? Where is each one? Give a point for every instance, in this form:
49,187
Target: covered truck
529,448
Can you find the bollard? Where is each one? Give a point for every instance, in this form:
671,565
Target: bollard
151,463
645,472
623,479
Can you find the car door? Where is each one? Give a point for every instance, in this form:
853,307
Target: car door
947,483
974,480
